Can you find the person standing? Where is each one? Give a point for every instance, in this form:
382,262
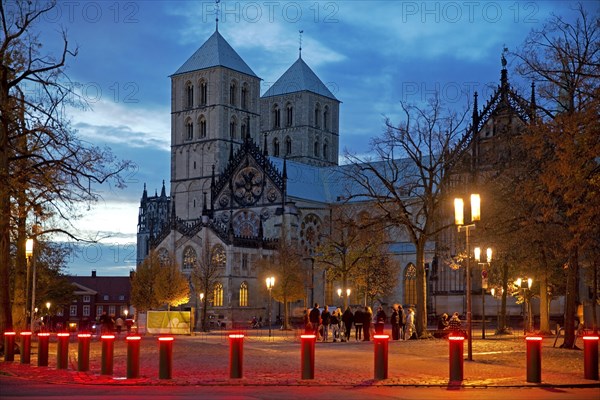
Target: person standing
336,320
395,321
119,323
358,324
315,318
325,320
367,318
410,332
348,319
402,316
380,320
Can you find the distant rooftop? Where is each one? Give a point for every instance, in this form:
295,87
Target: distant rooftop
215,52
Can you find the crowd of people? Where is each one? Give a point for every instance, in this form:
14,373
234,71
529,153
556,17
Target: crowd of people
338,325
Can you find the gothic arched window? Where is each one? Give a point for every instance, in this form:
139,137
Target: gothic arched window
189,129
316,147
317,114
276,116
218,295
232,90
325,117
189,258
289,114
410,284
218,257
202,126
203,92
190,95
245,96
244,294
325,150
276,147
288,146
232,127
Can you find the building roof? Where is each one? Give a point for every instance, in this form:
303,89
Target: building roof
299,77
215,52
113,286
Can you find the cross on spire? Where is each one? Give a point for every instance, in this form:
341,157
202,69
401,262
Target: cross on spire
217,12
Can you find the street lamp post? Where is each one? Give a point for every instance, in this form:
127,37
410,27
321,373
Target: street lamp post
48,315
460,223
346,299
525,285
202,311
477,253
30,262
270,284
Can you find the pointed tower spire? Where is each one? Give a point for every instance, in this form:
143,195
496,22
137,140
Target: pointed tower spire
144,194
475,112
300,41
163,193
212,189
173,213
504,73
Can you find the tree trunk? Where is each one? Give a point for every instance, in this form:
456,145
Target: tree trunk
571,300
544,306
421,314
5,260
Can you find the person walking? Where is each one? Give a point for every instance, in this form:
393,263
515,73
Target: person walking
315,319
358,324
325,321
348,319
395,321
367,318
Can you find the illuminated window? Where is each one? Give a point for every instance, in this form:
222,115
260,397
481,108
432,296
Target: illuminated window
73,311
410,284
189,258
218,295
244,294
86,299
99,310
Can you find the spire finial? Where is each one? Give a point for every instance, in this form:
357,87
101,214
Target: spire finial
503,58
217,12
300,41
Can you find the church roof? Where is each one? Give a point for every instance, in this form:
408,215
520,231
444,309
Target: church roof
215,52
299,77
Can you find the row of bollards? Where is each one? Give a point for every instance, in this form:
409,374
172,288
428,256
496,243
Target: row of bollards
83,352
236,355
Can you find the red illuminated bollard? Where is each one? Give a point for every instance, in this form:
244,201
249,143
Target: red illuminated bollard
9,346
534,359
307,356
62,352
25,347
165,362
590,357
43,341
381,356
236,355
108,352
83,352
133,356
456,345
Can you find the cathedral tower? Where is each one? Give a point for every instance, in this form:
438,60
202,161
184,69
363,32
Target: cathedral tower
214,106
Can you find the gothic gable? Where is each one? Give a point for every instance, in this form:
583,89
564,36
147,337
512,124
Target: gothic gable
249,180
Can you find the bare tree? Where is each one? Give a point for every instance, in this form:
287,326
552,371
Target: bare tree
564,57
407,177
45,169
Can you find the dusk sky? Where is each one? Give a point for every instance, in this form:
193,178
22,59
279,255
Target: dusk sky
371,55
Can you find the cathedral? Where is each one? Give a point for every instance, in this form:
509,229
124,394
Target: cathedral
246,167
